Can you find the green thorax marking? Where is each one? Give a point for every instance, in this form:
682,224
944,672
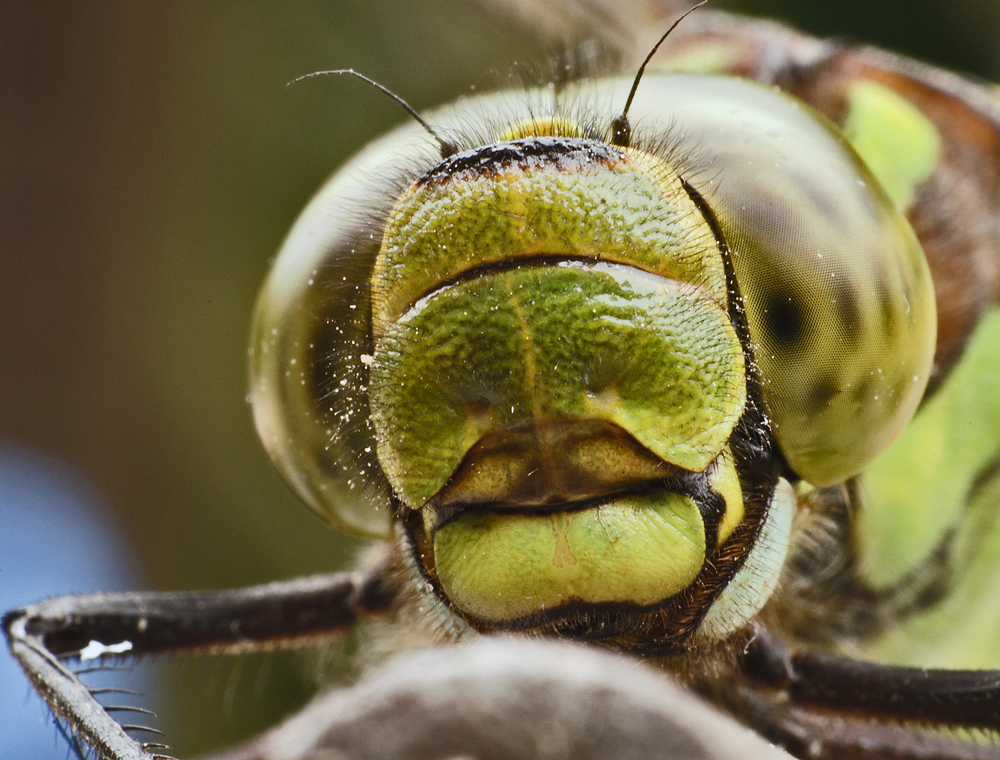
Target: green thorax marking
899,143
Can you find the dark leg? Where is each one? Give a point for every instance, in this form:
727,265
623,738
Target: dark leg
826,706
287,614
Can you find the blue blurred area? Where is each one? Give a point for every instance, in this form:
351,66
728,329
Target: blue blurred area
54,539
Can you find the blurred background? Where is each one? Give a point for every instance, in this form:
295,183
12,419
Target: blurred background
151,160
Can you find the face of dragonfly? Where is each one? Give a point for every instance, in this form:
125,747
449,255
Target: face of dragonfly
353,359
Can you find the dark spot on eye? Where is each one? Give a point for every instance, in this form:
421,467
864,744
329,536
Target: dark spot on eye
820,394
887,310
849,312
784,318
865,389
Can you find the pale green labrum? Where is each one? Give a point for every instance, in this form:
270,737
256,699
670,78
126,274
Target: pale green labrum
575,341
629,208
637,550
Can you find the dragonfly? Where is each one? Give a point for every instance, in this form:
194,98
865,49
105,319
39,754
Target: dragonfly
835,276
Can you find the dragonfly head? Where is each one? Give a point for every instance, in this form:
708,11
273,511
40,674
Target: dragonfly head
555,382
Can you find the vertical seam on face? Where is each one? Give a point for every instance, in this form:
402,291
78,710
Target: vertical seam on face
530,363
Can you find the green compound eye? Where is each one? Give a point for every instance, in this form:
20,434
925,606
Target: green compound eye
532,350
835,285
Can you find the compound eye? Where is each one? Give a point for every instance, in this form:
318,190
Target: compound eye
311,342
837,293
844,344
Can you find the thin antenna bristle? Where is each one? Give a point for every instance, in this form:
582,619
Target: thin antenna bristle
621,130
447,148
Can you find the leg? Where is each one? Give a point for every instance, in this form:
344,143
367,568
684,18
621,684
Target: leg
826,706
287,614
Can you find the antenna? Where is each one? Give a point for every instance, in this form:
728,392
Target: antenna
446,147
621,130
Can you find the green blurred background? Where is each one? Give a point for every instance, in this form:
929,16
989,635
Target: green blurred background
151,160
